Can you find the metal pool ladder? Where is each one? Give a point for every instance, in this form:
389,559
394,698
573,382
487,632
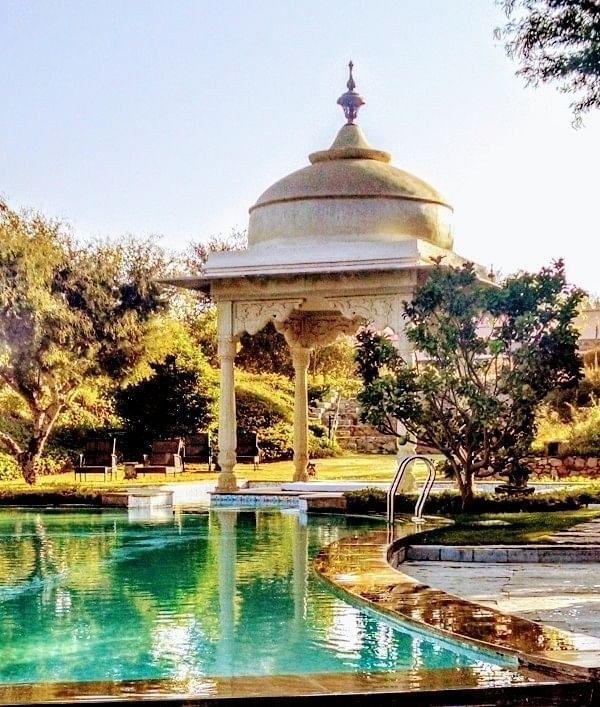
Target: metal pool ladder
418,517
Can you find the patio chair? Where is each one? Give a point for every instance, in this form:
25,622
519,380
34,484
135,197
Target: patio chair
198,449
99,457
248,449
165,457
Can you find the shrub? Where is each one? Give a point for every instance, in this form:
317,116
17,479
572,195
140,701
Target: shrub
320,447
266,398
264,404
58,497
373,500
9,469
584,436
317,429
318,392
565,402
48,464
256,410
369,500
54,463
276,442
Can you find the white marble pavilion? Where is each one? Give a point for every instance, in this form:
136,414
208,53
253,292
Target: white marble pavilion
333,246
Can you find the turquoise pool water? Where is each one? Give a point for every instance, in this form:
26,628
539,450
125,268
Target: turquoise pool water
88,596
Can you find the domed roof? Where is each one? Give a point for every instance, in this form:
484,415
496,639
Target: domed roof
350,192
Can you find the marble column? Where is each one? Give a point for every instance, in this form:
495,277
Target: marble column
300,360
226,343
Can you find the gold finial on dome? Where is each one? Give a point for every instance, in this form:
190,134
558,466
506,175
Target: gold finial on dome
350,101
350,85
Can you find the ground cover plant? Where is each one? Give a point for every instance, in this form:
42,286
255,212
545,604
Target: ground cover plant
520,528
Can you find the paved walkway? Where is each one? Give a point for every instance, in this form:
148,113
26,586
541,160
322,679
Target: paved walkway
582,534
563,595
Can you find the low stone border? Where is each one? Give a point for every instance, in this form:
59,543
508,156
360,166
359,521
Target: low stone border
507,553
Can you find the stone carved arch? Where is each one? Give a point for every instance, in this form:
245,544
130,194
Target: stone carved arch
379,310
251,317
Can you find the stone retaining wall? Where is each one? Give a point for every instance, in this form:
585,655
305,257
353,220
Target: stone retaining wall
511,553
563,467
355,441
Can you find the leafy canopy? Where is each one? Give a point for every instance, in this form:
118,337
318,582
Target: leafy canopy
557,41
176,399
68,313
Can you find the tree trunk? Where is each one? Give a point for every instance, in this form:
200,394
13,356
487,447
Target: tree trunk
466,490
30,459
464,481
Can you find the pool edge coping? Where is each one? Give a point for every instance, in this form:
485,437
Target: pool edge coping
376,552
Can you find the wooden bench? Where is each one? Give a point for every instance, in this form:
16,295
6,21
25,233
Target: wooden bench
198,449
248,449
165,457
99,458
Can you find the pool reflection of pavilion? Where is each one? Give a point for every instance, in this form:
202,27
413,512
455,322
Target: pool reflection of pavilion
226,520
331,247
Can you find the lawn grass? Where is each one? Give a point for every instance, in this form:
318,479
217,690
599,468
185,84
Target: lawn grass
350,467
523,528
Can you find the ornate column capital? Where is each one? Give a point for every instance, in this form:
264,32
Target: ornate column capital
300,357
309,329
226,347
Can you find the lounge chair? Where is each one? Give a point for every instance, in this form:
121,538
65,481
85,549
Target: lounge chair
198,449
247,448
165,458
99,458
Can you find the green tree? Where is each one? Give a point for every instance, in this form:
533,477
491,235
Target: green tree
557,41
203,330
265,352
68,313
177,398
199,251
486,356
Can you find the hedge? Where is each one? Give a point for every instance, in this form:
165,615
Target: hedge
374,500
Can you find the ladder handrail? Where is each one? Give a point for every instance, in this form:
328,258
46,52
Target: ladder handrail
425,491
402,466
394,485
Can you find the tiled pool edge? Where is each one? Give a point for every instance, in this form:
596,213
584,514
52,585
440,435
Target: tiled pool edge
362,567
257,500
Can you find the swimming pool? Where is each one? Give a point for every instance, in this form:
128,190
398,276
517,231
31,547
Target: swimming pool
94,596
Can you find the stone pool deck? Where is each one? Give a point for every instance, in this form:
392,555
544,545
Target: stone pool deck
556,584
370,569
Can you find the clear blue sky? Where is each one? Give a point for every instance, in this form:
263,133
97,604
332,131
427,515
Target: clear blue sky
171,117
